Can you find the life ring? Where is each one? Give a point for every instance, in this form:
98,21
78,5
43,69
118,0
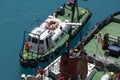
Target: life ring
41,49
52,25
27,46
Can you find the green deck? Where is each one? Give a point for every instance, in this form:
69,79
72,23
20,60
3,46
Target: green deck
93,47
85,14
118,16
114,30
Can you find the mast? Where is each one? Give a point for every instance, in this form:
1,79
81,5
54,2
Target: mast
74,7
73,10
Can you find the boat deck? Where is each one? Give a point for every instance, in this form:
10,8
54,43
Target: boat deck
67,15
93,47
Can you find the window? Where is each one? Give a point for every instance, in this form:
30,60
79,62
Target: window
29,38
47,42
40,41
34,40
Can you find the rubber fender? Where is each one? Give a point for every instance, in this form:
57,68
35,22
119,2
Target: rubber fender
33,63
24,63
57,51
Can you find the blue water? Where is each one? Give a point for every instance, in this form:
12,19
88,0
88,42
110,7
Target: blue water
17,15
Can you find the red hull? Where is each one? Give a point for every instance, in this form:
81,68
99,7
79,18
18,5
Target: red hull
71,67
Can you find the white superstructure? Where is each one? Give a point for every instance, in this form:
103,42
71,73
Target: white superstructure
45,36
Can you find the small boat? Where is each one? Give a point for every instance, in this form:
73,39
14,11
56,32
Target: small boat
50,36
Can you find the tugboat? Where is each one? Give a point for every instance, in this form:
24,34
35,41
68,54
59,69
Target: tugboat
49,38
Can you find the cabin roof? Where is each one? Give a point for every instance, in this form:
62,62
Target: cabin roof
43,32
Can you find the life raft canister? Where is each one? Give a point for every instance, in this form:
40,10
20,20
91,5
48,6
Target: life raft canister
41,48
52,25
27,46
